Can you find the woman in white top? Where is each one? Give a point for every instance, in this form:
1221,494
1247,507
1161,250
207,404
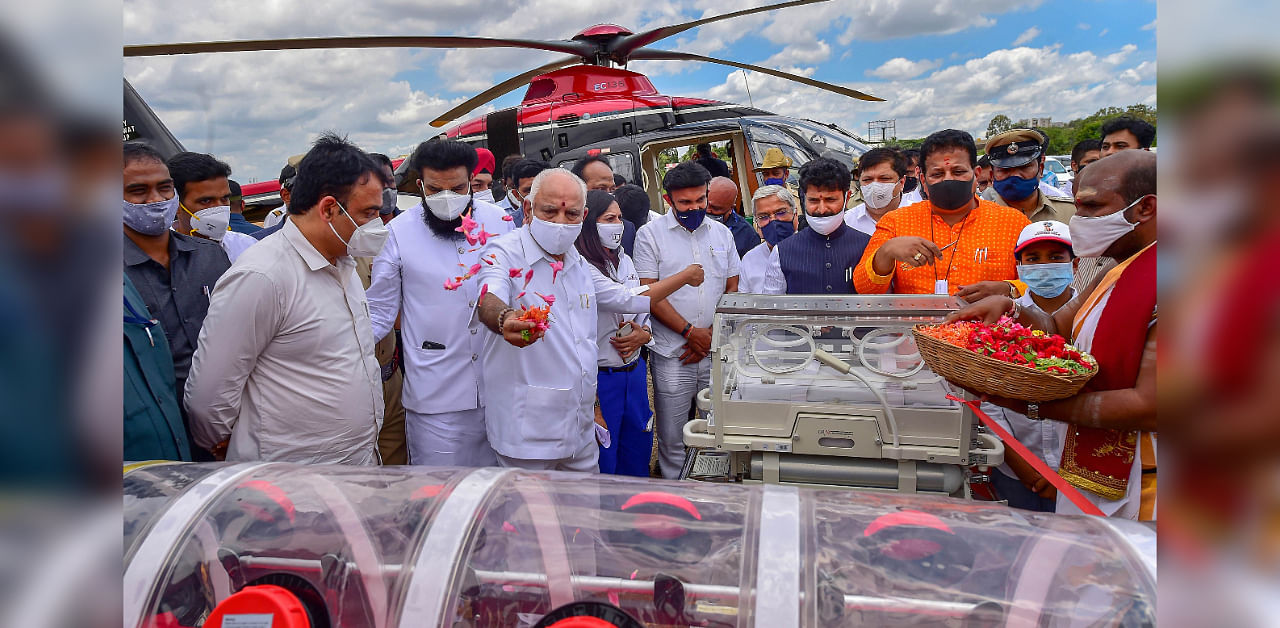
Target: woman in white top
622,394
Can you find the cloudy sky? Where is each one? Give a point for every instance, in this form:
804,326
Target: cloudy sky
938,63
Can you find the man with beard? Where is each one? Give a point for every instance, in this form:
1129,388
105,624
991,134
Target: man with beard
416,277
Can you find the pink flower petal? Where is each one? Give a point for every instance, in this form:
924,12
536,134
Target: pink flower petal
520,295
549,298
613,599
450,284
474,269
556,267
528,276
484,289
515,272
507,527
508,218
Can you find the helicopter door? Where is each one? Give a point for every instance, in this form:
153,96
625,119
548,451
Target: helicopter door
657,157
761,138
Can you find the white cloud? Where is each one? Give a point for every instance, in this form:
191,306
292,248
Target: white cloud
900,68
1103,32
1018,82
816,52
1149,26
1083,26
1027,36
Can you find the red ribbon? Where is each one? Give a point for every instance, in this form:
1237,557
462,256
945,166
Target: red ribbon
1064,487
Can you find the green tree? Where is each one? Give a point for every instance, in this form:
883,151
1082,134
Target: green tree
999,124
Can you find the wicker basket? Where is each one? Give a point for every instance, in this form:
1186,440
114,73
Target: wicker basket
994,377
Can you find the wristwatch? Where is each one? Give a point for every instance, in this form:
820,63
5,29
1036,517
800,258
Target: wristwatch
1033,412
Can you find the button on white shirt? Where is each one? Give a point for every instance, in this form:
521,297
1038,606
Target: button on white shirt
547,390
286,364
755,277
441,335
664,248
609,322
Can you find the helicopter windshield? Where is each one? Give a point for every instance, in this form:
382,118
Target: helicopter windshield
824,138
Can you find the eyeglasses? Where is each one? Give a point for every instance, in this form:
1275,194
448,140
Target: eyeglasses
781,214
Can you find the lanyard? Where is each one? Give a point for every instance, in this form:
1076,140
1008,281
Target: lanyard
134,318
963,224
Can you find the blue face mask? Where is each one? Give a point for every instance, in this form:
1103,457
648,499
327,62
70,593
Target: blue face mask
1047,280
775,181
1015,188
777,231
691,219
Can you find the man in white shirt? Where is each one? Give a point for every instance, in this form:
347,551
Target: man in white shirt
428,248
285,369
546,378
881,173
682,341
204,201
776,218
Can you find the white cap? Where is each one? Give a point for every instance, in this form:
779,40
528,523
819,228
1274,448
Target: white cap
1041,231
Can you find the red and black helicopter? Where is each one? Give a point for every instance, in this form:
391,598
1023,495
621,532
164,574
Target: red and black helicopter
578,104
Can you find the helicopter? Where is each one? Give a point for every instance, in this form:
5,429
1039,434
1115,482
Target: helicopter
589,103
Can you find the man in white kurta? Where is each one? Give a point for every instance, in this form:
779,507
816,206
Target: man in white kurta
444,393
770,203
547,388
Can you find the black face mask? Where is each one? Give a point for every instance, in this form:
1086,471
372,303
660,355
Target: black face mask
951,194
911,183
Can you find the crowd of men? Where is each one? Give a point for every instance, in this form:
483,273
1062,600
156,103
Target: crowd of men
516,315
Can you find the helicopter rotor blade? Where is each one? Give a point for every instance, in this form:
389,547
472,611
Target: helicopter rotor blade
667,55
580,49
623,48
499,90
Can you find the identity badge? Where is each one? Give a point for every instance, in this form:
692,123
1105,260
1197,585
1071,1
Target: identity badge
940,287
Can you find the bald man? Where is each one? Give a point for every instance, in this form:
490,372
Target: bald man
722,205
1108,429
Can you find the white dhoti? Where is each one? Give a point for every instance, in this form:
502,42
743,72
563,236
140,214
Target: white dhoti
448,439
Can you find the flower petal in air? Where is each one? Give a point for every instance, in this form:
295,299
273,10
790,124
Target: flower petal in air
556,267
520,295
515,272
475,268
549,298
528,276
508,218
484,289
452,284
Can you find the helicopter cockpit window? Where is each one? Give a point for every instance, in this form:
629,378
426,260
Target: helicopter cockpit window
763,137
824,138
621,163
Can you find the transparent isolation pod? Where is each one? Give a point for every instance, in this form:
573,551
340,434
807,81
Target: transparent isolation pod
265,545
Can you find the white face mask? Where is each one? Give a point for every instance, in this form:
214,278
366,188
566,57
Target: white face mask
826,224
484,195
1091,236
446,204
610,234
367,239
878,195
554,238
515,202
151,219
212,222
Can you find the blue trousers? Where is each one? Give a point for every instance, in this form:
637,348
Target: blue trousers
624,402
